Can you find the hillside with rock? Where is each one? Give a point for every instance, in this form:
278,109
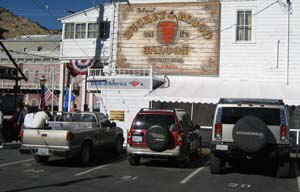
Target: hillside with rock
12,25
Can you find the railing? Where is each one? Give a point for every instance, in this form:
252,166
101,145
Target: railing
33,81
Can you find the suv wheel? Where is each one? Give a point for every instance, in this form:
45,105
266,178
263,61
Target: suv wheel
134,160
215,164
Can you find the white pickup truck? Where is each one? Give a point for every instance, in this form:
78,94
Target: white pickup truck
70,135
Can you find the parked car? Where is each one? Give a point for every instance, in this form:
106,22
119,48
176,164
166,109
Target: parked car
160,133
71,134
250,129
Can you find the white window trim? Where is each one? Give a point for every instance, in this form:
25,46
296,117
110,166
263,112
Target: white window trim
253,27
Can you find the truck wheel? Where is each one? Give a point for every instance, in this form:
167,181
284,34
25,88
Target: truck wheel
41,159
215,164
86,154
118,148
134,160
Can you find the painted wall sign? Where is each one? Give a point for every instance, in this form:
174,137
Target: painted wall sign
119,83
173,38
117,115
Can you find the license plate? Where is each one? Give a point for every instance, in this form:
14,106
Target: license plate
42,151
222,147
137,139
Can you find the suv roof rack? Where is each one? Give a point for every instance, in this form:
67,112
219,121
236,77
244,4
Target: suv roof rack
251,101
168,110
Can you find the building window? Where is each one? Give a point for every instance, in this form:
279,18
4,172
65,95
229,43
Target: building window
92,30
244,26
69,30
80,31
104,28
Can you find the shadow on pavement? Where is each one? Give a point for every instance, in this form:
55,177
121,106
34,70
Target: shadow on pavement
62,184
100,158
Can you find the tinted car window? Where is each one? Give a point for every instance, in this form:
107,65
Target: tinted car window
230,115
145,121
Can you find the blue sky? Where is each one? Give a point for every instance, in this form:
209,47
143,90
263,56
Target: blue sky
46,12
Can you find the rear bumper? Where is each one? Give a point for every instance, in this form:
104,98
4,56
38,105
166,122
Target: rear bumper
146,152
58,152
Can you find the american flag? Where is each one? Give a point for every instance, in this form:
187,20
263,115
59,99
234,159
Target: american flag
48,94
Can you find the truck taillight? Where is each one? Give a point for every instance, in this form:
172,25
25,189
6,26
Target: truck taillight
70,136
283,132
129,138
218,130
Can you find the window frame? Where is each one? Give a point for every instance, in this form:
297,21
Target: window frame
69,34
244,28
82,32
92,34
252,32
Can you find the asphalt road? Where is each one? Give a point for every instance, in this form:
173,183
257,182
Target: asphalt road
110,173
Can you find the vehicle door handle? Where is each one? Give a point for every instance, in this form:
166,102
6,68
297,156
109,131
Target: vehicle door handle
44,135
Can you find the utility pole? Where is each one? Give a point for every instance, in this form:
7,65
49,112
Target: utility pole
288,43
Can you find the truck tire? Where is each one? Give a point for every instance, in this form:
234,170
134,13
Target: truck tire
134,160
288,170
250,134
41,159
158,138
215,164
118,147
86,154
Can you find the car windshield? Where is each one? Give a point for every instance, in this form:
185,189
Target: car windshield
230,115
145,121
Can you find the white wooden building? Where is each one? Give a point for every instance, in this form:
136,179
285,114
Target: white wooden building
205,50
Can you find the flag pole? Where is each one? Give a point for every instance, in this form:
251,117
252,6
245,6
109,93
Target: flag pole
52,95
70,94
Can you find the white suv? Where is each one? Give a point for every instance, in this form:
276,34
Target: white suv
250,129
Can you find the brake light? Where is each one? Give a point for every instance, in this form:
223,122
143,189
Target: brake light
218,130
283,132
129,138
178,138
70,136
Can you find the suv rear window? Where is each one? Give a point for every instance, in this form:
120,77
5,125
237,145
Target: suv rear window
145,121
230,115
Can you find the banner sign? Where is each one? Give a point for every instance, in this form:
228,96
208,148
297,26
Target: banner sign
119,83
80,67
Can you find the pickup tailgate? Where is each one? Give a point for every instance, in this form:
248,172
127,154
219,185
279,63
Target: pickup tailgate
45,138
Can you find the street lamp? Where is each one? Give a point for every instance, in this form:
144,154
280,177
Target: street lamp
42,85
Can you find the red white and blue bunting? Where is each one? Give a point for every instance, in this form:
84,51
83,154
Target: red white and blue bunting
80,66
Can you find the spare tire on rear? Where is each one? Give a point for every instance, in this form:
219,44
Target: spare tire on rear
250,134
158,138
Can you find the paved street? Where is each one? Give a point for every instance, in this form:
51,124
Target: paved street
110,173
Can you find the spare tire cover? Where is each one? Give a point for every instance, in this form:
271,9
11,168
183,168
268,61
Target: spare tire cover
158,138
250,134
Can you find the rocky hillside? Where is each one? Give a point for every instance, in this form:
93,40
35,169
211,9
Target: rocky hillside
13,26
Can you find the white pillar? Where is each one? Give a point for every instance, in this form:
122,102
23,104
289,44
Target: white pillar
61,86
91,101
83,96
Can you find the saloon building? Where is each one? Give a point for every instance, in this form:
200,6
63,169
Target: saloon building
184,54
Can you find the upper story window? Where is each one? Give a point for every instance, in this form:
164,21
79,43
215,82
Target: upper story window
80,31
244,26
69,30
92,30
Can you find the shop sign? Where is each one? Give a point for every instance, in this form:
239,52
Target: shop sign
119,83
